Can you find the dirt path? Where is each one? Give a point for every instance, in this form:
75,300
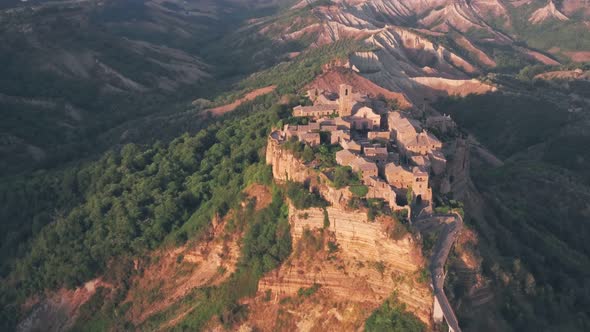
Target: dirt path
220,110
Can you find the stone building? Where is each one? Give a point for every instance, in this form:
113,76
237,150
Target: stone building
350,145
379,135
339,136
365,118
420,188
343,115
328,128
365,167
313,139
421,161
408,139
345,101
315,111
319,97
401,127
398,176
382,190
416,180
376,154
443,123
345,157
305,133
423,143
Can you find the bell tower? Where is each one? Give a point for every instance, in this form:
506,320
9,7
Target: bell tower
345,100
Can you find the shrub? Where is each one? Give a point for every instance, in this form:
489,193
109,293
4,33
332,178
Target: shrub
332,247
307,292
379,266
359,190
392,316
398,231
424,275
308,154
342,176
302,198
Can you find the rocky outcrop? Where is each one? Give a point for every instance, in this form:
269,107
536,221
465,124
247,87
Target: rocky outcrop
566,75
366,268
286,167
59,311
365,62
477,53
407,62
549,12
354,261
358,238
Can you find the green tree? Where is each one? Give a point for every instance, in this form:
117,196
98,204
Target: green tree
392,316
359,190
342,176
308,154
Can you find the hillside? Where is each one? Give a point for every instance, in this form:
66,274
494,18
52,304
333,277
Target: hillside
75,70
534,199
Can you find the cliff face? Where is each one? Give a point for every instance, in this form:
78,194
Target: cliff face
59,311
285,167
355,265
352,264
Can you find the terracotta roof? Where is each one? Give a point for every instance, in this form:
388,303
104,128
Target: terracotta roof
315,108
345,156
375,151
363,165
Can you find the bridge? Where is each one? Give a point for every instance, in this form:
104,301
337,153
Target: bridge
448,227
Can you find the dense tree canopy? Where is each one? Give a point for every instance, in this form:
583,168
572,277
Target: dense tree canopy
128,201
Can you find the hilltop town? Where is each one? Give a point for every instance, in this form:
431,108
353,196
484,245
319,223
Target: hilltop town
390,154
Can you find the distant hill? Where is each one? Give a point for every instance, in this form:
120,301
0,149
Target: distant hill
74,69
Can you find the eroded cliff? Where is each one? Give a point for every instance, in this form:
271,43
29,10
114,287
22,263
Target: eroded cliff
353,264
342,267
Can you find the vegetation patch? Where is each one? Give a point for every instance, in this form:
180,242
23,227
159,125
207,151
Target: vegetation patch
302,198
393,316
359,190
502,122
307,292
344,176
128,202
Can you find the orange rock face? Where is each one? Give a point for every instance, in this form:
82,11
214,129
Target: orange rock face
354,265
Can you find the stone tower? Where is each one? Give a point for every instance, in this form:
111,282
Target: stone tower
345,100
